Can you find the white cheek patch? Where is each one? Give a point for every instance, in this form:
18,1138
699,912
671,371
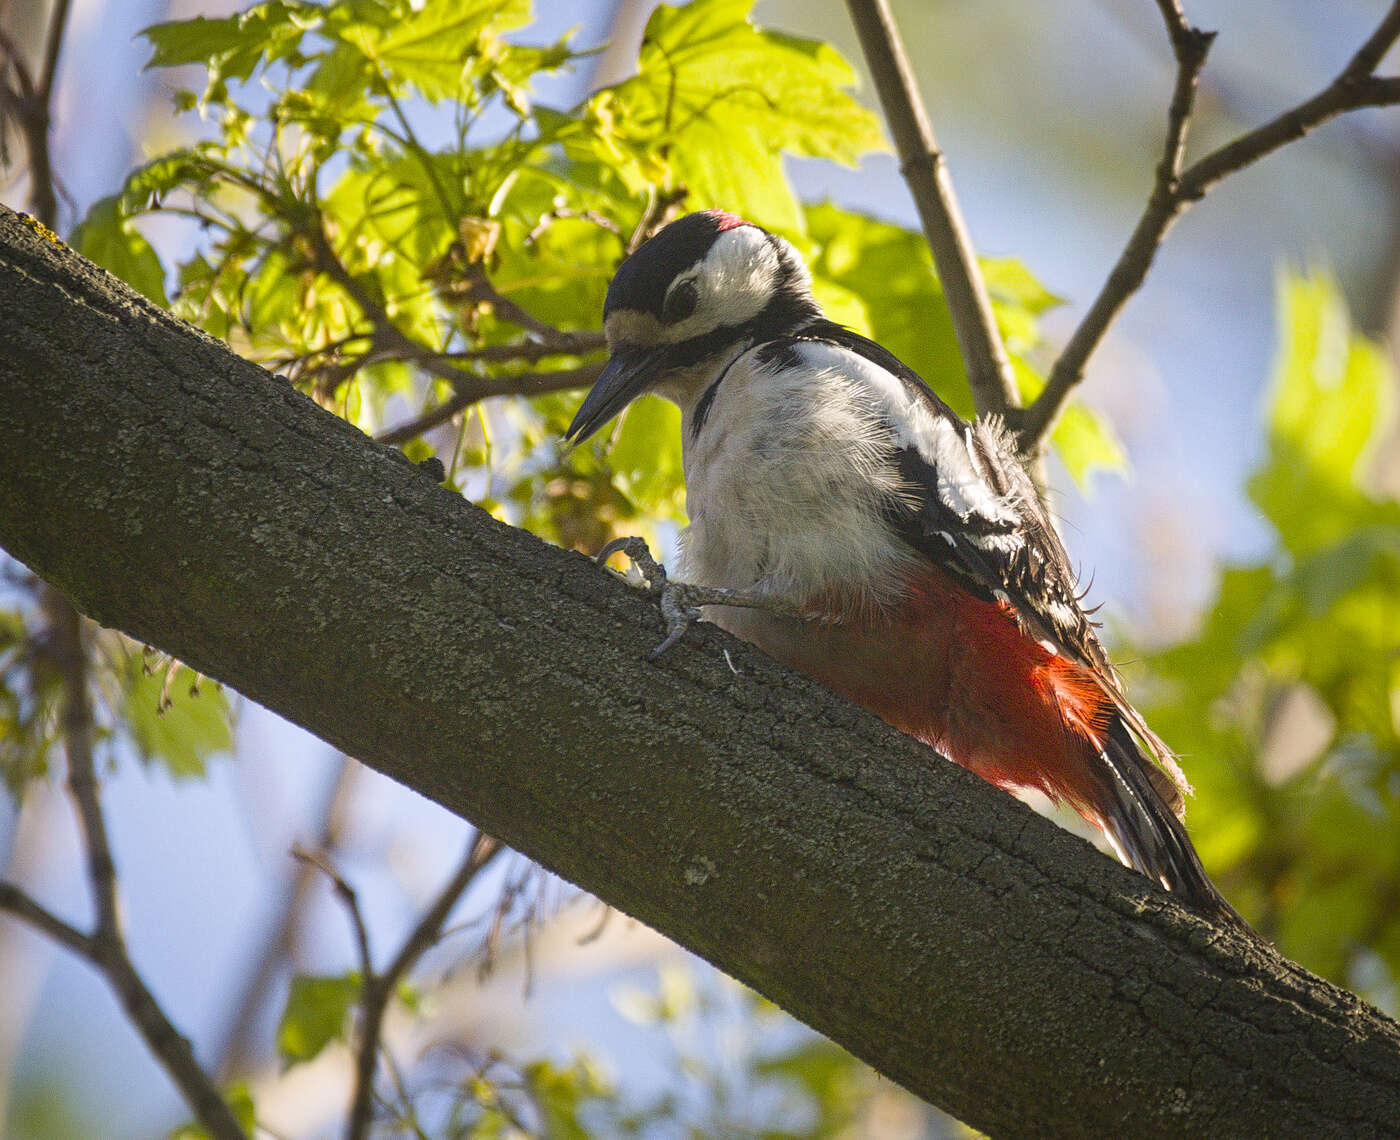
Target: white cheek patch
734,282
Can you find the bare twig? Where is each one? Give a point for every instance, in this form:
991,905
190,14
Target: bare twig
566,344
479,288
379,989
58,24
170,1047
105,947
662,207
471,390
1175,189
281,944
21,905
925,170
346,893
30,107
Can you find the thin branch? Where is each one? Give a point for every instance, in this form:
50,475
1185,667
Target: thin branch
1346,93
531,351
282,943
1175,189
379,989
23,906
172,1049
68,649
479,288
30,108
58,24
346,893
473,391
925,170
105,948
392,343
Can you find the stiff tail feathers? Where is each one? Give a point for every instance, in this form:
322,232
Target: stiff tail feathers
1145,831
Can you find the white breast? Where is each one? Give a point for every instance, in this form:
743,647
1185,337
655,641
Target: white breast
787,478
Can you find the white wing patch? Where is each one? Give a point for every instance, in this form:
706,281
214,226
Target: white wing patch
962,484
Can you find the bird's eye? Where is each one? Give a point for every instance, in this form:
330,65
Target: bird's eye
680,302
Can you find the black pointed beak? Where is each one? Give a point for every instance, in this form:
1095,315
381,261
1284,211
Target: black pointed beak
628,374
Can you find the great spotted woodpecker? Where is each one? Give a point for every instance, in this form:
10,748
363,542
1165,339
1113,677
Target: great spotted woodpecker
854,527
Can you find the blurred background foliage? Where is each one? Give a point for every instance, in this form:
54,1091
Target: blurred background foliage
380,200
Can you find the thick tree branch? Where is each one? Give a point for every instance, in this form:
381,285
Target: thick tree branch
1175,189
966,947
926,171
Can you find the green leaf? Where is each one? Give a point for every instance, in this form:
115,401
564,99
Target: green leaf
108,238
29,699
646,458
432,48
1331,389
890,270
172,723
1009,282
147,186
1086,442
562,1093
720,101
316,1013
236,46
829,1075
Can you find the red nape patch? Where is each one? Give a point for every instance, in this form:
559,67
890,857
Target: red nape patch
726,220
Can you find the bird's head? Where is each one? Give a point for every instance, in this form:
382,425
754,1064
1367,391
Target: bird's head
698,291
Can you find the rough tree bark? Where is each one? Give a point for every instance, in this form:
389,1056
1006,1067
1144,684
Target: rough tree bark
965,947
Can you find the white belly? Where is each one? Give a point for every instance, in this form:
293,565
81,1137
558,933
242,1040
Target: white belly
785,486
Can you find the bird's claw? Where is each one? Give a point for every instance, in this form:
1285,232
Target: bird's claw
680,614
637,550
676,608
681,601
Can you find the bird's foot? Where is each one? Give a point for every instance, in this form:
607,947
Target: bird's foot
681,602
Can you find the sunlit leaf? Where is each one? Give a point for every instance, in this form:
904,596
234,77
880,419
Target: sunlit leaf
173,722
1315,855
236,46
430,48
646,457
724,100
317,1013
1085,443
1330,392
